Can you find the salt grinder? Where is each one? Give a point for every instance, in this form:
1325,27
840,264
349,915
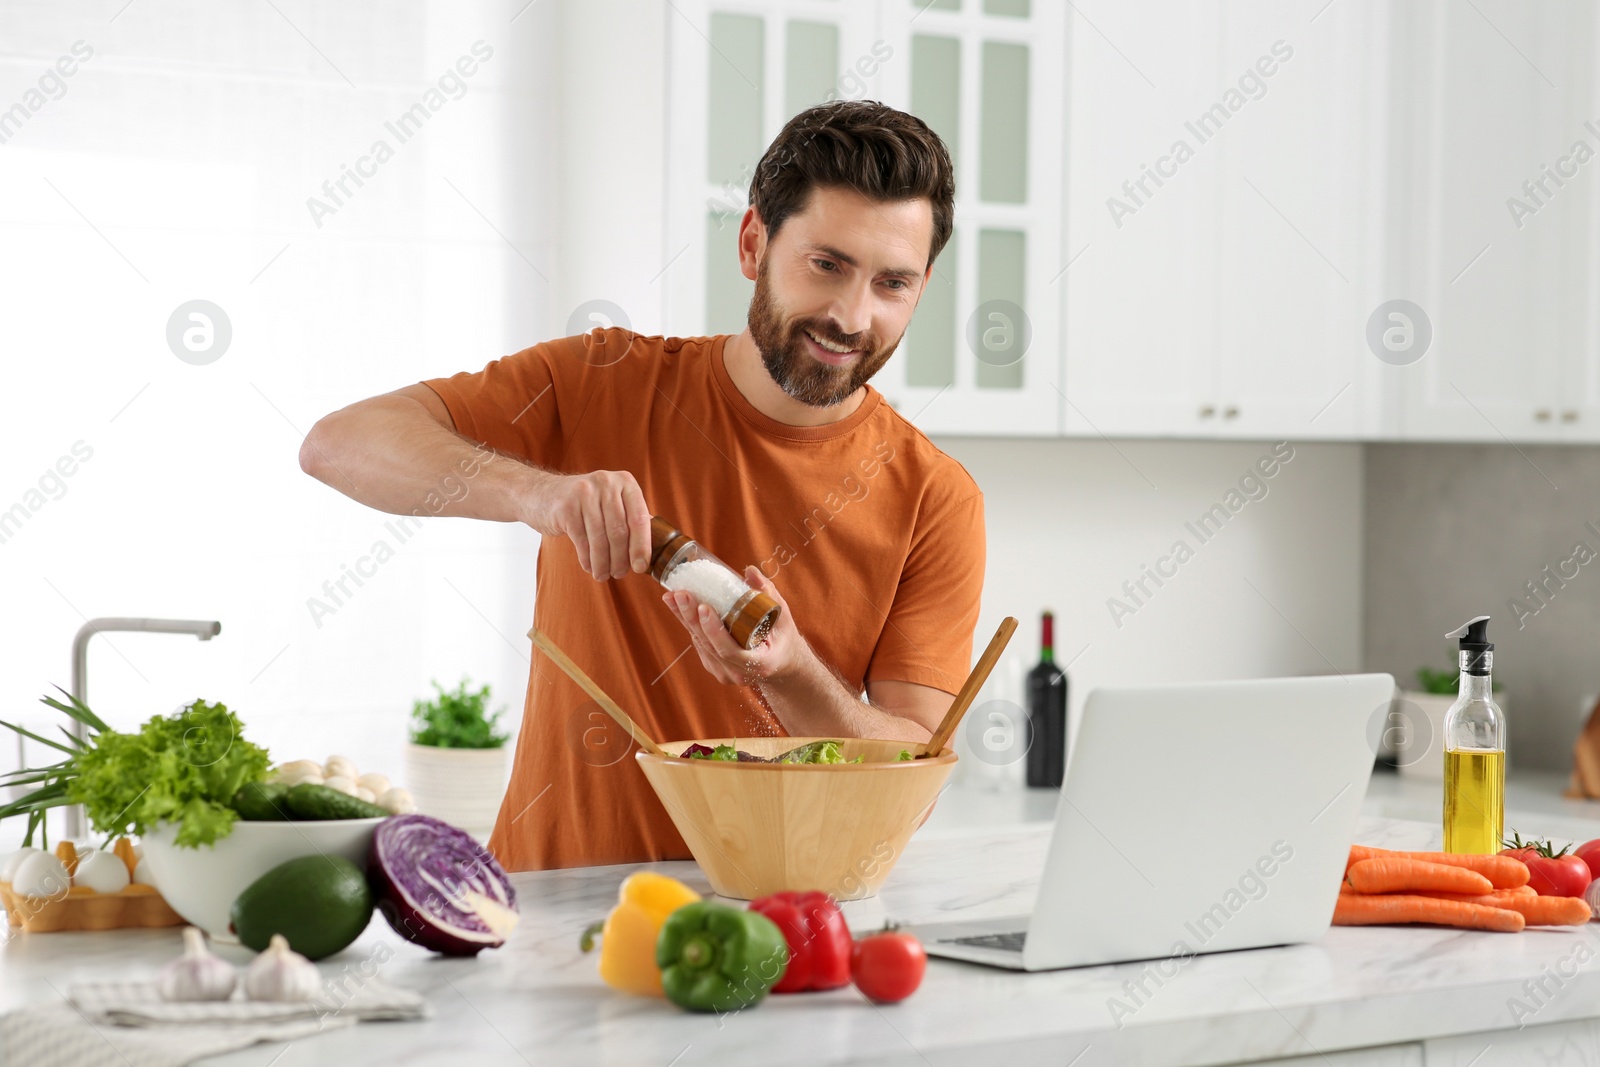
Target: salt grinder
747,613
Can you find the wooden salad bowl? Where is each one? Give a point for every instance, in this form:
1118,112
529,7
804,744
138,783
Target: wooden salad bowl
760,828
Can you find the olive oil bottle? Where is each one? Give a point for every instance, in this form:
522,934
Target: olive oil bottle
1474,750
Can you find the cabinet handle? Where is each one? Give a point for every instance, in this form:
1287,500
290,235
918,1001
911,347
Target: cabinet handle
1207,410
1569,416
1230,412
1542,415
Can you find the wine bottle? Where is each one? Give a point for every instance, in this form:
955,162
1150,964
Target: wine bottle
1047,714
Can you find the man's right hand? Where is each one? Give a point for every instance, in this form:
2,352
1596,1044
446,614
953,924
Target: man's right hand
602,512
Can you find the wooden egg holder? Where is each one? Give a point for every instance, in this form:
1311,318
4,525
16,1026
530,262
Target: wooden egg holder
81,908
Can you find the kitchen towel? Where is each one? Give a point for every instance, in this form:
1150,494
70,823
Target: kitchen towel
128,1023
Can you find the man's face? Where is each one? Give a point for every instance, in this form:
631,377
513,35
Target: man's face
846,272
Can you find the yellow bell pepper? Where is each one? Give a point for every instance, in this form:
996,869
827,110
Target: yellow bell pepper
628,935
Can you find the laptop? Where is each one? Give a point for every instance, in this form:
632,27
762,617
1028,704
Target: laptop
1193,818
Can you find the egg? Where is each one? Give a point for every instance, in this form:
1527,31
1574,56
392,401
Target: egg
141,873
13,860
41,875
341,783
340,767
101,871
378,783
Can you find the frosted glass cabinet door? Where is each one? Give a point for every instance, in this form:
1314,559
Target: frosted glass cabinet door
983,352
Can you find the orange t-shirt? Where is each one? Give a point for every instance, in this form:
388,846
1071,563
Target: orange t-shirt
873,536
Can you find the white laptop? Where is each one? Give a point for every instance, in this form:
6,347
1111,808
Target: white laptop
1193,818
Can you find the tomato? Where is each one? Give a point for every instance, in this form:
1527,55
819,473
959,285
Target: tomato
1590,851
887,966
1553,875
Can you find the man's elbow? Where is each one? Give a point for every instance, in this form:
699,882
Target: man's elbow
314,449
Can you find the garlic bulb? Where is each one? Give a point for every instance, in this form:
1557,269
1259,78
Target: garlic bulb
378,783
101,871
197,974
141,873
340,767
13,860
279,973
41,875
341,783
397,801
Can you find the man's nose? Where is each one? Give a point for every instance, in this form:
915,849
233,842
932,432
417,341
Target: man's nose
852,310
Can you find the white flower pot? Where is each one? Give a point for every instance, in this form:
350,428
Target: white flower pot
462,786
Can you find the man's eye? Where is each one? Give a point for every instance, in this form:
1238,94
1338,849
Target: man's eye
826,264
898,283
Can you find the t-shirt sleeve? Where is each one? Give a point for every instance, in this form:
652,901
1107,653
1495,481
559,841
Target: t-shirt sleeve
518,404
927,637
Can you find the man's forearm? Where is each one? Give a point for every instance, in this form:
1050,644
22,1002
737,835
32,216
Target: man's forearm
390,454
812,702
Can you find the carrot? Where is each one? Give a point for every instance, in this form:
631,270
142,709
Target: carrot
1503,872
1398,874
1359,909
1551,911
1500,898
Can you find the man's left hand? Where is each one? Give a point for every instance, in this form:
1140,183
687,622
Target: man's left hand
781,651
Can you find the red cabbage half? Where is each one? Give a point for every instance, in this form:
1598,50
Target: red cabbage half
438,887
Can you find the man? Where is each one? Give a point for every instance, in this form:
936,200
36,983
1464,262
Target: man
768,447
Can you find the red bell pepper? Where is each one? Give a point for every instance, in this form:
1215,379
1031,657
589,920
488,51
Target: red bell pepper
819,940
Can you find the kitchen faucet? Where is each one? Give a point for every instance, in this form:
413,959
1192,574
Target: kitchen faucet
204,629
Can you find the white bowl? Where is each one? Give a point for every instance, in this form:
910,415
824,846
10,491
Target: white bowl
201,883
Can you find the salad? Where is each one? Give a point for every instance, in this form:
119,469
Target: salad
812,752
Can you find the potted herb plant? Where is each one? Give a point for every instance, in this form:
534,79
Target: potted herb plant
456,761
1417,722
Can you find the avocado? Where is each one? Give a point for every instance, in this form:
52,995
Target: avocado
308,801
318,903
262,802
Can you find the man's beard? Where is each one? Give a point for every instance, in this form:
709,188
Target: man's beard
797,372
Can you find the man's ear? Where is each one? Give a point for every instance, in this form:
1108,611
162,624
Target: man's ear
752,242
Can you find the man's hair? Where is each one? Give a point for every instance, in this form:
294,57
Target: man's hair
879,152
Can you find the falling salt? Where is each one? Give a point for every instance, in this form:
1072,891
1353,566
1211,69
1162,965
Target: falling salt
709,583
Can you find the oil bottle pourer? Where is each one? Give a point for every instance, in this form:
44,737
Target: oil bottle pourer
1474,637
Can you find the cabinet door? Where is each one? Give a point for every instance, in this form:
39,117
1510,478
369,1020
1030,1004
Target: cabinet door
1142,223
1487,257
1301,197
1568,1044
1382,1056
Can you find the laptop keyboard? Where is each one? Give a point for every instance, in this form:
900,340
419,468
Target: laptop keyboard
1007,942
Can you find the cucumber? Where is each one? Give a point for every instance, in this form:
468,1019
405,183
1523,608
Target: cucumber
262,802
309,801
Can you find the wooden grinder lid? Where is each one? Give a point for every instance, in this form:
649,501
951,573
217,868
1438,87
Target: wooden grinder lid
752,620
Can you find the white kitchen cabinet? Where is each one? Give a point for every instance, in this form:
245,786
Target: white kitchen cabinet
1566,1044
1301,209
1141,290
1221,288
1490,102
1383,1056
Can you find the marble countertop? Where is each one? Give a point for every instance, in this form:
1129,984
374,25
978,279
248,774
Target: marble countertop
538,1000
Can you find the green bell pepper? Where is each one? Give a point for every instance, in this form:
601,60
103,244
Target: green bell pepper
718,958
